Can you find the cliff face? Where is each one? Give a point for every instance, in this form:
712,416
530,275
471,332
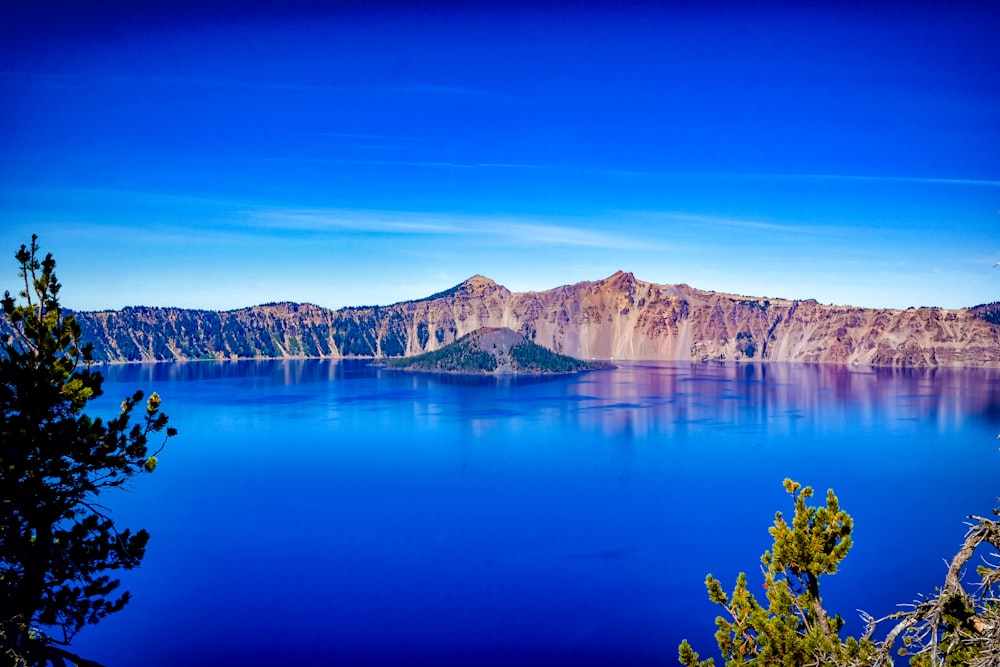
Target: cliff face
616,318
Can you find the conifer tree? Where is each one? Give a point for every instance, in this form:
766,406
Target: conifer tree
959,625
794,629
58,543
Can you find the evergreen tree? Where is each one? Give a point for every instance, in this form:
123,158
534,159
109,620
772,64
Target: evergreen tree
58,543
794,629
957,626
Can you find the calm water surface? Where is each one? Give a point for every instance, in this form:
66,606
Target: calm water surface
338,513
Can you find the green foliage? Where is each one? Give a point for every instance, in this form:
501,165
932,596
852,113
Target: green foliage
459,356
423,334
763,305
989,312
393,342
354,334
529,356
466,355
746,344
793,629
57,543
960,623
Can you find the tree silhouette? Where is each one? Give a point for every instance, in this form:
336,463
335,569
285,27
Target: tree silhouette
57,542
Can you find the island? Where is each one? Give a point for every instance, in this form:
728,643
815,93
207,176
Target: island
495,351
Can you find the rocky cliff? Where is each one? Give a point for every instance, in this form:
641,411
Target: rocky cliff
620,317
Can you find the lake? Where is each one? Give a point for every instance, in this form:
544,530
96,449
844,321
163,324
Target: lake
329,512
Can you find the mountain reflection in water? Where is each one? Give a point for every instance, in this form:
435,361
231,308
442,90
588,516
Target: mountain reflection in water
334,511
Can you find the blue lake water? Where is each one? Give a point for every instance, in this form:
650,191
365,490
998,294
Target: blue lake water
337,513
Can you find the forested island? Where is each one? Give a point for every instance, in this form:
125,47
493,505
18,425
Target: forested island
495,351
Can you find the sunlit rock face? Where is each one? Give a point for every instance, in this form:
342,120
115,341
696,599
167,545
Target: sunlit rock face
618,318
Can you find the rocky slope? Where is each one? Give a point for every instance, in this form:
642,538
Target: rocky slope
495,351
619,317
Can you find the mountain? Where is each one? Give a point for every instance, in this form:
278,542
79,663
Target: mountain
496,351
618,318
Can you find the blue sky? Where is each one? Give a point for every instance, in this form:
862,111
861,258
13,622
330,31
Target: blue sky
222,154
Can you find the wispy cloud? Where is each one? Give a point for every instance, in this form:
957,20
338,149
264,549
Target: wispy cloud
332,220
420,164
750,176
506,229
916,180
652,173
205,219
559,235
729,222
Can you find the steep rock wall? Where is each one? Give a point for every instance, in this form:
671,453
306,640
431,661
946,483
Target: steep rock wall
619,317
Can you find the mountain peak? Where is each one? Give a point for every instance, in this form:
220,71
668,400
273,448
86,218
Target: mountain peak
620,279
478,282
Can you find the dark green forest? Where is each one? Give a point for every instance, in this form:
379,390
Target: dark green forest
460,356
466,355
529,357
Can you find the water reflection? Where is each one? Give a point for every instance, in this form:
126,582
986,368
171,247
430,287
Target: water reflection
533,513
644,397
283,371
635,398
